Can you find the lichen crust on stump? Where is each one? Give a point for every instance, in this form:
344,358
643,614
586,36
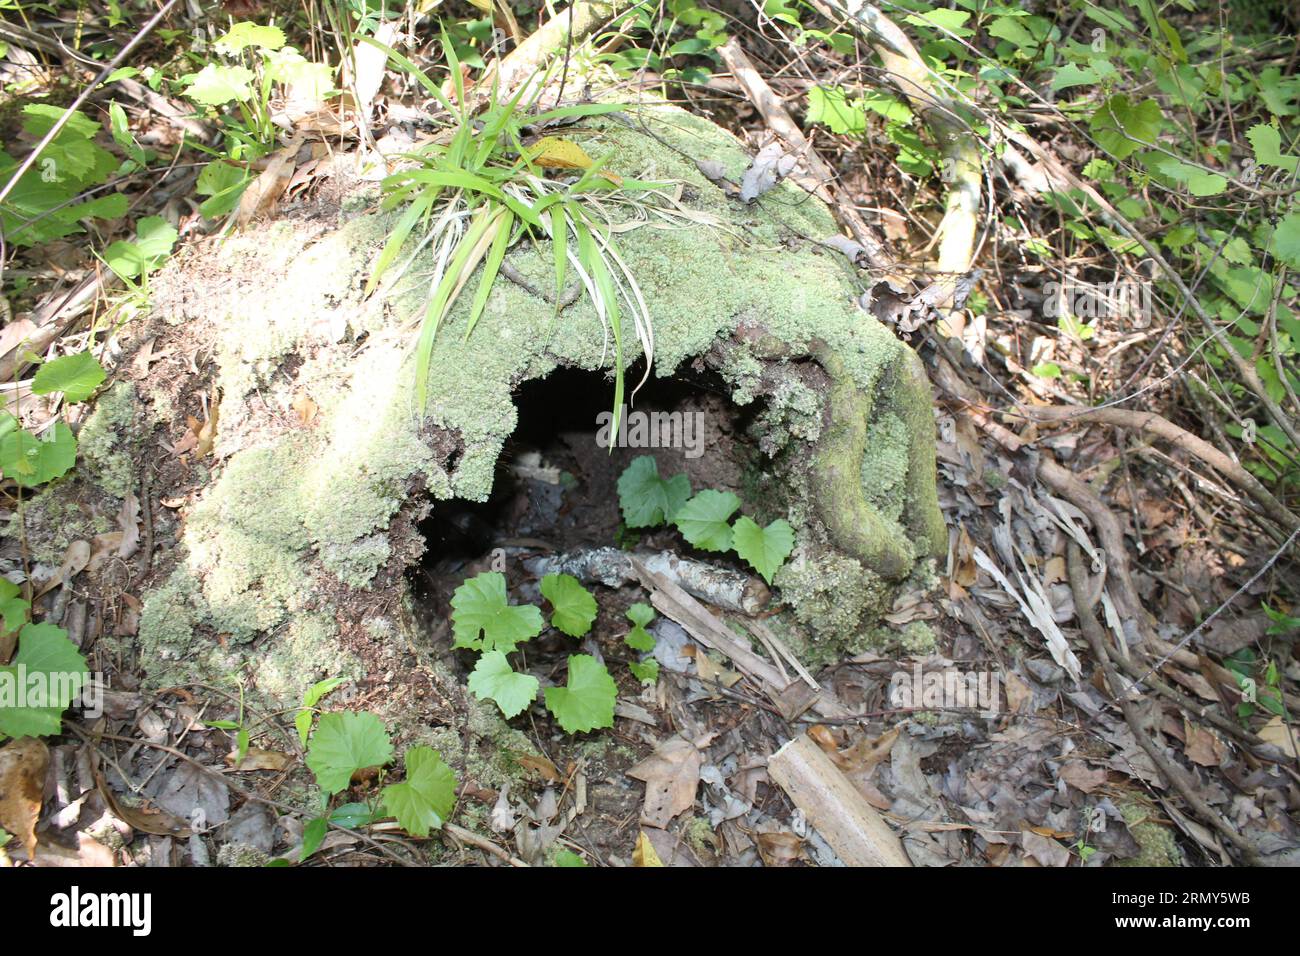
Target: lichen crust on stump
301,505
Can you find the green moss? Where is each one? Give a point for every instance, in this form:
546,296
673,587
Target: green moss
1156,843
107,444
241,854
291,501
835,599
700,835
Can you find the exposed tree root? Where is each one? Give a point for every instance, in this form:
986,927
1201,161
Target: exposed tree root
1096,638
1154,424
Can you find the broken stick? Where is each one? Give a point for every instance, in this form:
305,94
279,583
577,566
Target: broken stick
855,831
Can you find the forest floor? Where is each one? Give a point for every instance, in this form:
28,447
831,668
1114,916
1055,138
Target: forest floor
1104,518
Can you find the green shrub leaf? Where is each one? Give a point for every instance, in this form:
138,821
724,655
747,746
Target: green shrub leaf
1123,127
573,607
586,701
344,743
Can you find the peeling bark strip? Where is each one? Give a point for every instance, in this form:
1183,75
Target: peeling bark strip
856,832
721,587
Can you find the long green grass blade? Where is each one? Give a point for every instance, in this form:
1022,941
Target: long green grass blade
560,246
457,179
504,224
401,230
590,256
441,303
407,66
578,110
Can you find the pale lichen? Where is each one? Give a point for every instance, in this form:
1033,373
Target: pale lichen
107,444
312,497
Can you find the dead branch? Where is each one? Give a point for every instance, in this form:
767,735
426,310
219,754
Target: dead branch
573,25
721,587
778,120
854,829
1092,631
963,158
1180,438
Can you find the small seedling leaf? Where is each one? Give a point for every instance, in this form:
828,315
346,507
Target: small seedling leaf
764,548
648,500
586,702
703,520
494,679
344,743
425,798
573,607
76,376
483,619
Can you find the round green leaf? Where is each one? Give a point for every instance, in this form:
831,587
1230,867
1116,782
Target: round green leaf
573,607
76,376
494,679
703,520
587,699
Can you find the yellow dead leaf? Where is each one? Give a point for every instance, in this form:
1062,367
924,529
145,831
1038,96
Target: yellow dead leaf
23,764
552,152
644,854
1275,732
207,432
258,759
305,407
711,671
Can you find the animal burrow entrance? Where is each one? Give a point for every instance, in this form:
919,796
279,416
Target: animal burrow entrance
555,486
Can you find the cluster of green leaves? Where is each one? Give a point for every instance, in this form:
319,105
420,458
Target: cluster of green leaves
347,742
45,658
639,639
1152,94
678,40
53,197
251,61
29,459
484,620
648,501
1260,682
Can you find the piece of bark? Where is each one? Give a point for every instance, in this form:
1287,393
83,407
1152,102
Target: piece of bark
721,587
853,828
674,603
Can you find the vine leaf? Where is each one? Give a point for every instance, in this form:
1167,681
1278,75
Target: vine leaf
764,548
494,679
483,620
646,499
573,607
76,376
639,639
703,520
586,702
344,743
425,798
47,656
